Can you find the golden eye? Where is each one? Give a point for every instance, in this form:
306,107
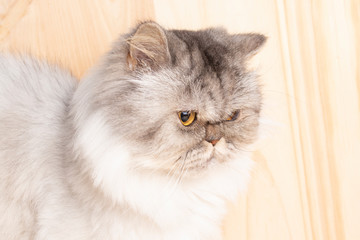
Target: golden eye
234,115
187,117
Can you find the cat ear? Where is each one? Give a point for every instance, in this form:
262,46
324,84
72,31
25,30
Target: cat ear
148,47
249,44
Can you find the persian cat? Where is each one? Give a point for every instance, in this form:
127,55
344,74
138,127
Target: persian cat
151,144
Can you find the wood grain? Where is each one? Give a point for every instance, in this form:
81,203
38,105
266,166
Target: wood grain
307,181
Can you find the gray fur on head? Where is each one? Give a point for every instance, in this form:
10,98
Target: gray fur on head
152,74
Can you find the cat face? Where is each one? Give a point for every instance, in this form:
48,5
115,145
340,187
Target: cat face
183,101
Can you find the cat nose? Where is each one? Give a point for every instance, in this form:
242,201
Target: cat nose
213,133
213,142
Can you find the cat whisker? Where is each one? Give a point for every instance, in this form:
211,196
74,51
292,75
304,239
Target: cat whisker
171,174
178,165
171,171
183,175
178,178
167,196
178,159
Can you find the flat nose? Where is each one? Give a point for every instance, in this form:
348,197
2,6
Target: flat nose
213,133
214,142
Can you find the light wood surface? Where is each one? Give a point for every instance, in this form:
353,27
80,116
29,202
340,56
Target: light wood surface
307,181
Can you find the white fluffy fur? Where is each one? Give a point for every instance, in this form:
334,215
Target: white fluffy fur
191,209
45,197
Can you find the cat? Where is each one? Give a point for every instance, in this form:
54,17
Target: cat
150,144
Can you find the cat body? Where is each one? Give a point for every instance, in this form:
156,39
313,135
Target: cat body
111,157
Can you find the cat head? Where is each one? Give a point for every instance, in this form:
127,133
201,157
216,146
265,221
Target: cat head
177,101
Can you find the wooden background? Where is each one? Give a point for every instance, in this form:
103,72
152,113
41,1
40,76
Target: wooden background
307,181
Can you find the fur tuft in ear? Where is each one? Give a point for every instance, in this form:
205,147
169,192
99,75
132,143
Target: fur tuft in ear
249,43
148,47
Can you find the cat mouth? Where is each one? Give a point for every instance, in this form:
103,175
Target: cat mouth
202,157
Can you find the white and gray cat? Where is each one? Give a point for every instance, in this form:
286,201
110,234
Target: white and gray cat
150,145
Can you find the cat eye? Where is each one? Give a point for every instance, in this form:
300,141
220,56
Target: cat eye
234,115
187,117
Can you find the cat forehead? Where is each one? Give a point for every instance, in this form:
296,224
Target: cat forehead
210,95
197,51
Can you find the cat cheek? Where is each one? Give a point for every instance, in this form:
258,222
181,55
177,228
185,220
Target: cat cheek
221,150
